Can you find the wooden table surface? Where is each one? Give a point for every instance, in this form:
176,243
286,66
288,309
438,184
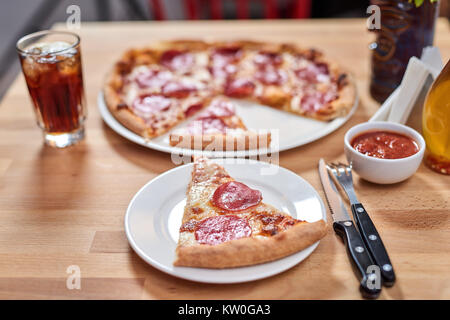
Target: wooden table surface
66,207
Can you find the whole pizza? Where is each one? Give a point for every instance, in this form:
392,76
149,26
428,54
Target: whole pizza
151,90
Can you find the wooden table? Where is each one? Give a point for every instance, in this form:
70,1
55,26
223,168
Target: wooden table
66,207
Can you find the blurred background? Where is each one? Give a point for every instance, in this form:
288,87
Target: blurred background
20,17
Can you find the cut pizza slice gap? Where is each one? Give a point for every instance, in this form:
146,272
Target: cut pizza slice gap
219,128
226,224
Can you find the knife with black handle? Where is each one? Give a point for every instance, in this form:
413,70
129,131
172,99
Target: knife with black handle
361,258
374,243
377,250
370,284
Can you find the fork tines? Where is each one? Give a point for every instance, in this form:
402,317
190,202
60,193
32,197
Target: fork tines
340,168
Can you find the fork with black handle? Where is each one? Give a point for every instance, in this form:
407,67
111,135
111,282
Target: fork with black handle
369,233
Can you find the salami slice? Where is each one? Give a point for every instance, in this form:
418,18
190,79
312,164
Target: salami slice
240,88
235,196
193,108
178,90
315,72
223,60
219,229
265,58
314,100
148,105
218,108
207,126
153,78
271,76
177,60
226,55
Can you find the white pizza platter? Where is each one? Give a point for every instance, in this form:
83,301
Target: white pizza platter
154,215
288,131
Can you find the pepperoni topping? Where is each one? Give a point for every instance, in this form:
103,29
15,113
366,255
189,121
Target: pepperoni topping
192,109
267,58
148,105
218,108
235,196
313,101
210,120
211,125
240,88
313,73
222,61
177,60
271,76
178,90
226,54
152,78
219,229
207,125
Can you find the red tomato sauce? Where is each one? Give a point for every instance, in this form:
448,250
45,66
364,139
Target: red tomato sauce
384,145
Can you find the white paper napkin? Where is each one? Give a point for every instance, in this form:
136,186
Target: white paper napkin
410,94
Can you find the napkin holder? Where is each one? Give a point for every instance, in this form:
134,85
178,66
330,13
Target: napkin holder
405,104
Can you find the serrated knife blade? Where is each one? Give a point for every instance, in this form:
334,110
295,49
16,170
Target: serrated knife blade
334,200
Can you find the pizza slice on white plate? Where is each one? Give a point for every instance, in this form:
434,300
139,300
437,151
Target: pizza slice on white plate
219,128
226,224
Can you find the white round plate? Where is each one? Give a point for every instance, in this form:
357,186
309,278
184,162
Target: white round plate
154,215
292,131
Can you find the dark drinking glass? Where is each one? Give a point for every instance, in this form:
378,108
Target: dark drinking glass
51,64
405,31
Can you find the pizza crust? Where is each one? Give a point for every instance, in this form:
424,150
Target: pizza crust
250,251
118,108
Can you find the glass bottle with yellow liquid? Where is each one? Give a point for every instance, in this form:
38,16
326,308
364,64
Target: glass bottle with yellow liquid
436,123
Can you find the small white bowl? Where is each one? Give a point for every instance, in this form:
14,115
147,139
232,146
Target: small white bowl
383,171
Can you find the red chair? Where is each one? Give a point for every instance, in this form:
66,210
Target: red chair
299,9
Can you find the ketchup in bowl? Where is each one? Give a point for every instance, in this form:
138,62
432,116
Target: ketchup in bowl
385,144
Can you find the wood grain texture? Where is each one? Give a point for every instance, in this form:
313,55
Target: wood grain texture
66,207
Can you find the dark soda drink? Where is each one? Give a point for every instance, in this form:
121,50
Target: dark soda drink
53,73
405,31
